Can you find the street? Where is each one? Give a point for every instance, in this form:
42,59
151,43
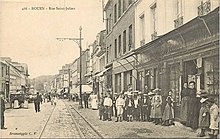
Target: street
61,121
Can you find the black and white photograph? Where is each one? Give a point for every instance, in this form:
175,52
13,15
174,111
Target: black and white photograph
109,69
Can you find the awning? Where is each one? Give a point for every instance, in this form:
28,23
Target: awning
102,72
87,88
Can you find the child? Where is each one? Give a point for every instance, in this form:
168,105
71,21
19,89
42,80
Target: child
120,103
129,103
101,109
204,117
213,118
168,114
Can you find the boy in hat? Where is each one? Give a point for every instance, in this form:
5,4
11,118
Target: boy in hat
120,103
108,105
214,120
145,111
204,117
129,105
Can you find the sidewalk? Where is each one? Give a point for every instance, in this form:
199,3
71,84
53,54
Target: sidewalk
112,129
25,123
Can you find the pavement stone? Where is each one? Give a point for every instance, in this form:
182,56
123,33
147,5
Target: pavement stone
25,123
124,129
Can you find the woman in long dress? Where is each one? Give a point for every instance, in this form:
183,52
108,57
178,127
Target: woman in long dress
94,101
195,105
157,102
184,104
168,114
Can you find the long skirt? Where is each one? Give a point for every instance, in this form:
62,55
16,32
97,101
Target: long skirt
168,113
158,112
152,113
194,109
184,109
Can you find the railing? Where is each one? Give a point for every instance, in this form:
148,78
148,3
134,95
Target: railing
154,36
178,22
142,42
204,8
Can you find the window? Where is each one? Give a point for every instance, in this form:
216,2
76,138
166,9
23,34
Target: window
115,48
2,71
110,53
123,5
130,38
115,13
139,81
154,21
124,41
119,45
107,53
119,8
118,83
179,8
130,80
142,30
109,24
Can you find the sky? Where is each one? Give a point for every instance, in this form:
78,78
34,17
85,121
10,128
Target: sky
29,36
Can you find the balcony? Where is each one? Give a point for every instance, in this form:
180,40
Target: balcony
204,8
178,22
154,36
142,42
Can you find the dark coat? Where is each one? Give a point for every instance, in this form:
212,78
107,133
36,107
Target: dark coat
193,111
127,102
204,117
184,105
38,99
2,105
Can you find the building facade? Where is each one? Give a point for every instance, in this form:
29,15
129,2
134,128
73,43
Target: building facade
120,26
186,52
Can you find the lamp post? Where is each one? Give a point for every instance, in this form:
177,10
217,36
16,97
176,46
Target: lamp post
78,41
80,68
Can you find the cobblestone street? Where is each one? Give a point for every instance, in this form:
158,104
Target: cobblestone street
25,123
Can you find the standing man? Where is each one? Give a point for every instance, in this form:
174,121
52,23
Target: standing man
85,99
2,111
37,102
108,104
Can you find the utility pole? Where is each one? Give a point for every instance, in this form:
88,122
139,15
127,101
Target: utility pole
78,41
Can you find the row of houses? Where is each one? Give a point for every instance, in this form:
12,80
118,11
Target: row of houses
14,77
161,44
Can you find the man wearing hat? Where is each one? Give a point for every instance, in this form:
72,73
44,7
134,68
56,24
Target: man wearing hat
145,103
2,111
204,117
114,109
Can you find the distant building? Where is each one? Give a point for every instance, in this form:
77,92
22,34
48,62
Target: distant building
120,42
5,78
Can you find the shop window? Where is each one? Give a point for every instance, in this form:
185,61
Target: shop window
139,81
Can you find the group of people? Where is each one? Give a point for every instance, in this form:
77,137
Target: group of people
134,105
198,110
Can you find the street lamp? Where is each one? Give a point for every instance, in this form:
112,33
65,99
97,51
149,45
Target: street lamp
78,41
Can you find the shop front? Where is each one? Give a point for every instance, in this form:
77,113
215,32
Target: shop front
188,53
